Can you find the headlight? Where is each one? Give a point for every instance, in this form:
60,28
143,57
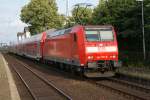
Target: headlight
114,56
90,57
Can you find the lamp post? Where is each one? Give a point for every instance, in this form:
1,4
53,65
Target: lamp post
67,12
143,31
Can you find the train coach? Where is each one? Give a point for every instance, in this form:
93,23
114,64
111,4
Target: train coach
90,50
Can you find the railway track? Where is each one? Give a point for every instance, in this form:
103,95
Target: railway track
124,88
37,85
132,85
134,79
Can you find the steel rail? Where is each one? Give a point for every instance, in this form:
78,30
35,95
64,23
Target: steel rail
46,81
136,97
30,91
131,84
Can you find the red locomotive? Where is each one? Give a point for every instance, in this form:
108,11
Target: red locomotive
91,50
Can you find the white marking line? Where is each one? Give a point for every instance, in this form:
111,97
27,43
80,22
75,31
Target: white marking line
92,49
111,49
13,89
101,49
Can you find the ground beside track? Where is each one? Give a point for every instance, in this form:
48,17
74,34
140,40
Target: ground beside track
77,89
142,72
140,75
8,90
38,89
22,90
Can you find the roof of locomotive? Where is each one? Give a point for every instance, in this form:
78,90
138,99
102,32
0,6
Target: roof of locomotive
97,26
64,31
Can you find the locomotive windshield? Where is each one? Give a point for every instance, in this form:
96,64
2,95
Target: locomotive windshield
99,35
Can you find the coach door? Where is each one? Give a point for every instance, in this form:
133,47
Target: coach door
74,49
38,49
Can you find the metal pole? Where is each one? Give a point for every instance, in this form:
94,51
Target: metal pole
67,7
144,51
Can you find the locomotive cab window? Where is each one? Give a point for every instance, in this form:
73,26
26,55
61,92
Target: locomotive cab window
92,35
106,35
99,35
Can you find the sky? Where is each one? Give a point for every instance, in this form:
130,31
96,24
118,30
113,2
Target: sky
10,22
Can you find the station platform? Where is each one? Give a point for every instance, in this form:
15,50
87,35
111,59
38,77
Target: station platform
8,89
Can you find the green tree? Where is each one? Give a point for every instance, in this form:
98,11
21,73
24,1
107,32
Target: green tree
82,15
41,15
125,15
121,13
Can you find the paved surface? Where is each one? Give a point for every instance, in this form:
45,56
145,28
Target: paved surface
8,90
